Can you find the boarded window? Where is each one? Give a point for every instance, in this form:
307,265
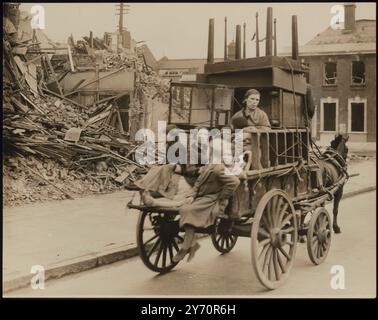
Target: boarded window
329,116
330,73
358,117
358,72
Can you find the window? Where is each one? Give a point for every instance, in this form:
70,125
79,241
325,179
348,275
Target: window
330,74
357,115
329,114
358,73
306,67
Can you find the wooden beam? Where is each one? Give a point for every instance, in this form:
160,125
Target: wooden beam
33,60
53,74
63,97
70,59
95,80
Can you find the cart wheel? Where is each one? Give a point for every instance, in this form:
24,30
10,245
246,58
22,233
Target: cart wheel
158,240
224,242
273,239
319,236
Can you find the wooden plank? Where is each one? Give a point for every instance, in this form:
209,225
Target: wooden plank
33,60
77,85
73,134
19,105
276,162
264,146
63,97
266,172
256,155
285,147
53,74
20,50
97,75
120,124
95,80
32,104
70,58
282,79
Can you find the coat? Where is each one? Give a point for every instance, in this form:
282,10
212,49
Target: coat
257,118
211,192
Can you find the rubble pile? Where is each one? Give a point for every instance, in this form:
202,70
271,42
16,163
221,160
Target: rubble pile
113,61
53,151
147,80
55,148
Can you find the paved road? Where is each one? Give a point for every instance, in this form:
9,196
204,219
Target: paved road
212,274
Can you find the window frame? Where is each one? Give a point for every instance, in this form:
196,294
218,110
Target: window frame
357,100
324,73
351,75
328,100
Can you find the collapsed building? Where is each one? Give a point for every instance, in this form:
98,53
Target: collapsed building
70,112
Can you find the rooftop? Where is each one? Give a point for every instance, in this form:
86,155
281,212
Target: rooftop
198,64
362,40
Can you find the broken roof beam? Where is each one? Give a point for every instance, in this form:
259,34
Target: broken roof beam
53,74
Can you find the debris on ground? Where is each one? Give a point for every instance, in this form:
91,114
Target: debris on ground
54,147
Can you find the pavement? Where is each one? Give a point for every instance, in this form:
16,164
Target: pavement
349,271
71,236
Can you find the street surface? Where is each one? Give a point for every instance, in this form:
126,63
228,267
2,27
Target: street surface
212,274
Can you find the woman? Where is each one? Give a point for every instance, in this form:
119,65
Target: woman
208,199
164,186
250,115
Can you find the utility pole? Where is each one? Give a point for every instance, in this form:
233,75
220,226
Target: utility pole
121,10
244,49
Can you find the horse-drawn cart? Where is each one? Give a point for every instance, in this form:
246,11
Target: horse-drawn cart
277,205
286,182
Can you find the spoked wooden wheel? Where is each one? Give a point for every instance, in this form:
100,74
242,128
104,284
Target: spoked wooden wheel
224,242
319,236
158,239
273,238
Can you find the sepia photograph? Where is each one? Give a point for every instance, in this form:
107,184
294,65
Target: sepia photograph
189,150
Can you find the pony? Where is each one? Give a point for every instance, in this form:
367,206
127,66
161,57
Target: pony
332,163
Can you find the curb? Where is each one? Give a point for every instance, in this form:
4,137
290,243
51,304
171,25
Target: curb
357,192
75,265
95,260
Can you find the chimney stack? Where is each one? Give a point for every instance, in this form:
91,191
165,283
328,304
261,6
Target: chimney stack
244,45
294,38
238,42
225,38
269,32
257,36
231,50
210,46
349,16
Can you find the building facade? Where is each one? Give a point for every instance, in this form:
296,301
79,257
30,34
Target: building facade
181,69
342,73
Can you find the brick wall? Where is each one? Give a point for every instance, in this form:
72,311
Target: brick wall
344,90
